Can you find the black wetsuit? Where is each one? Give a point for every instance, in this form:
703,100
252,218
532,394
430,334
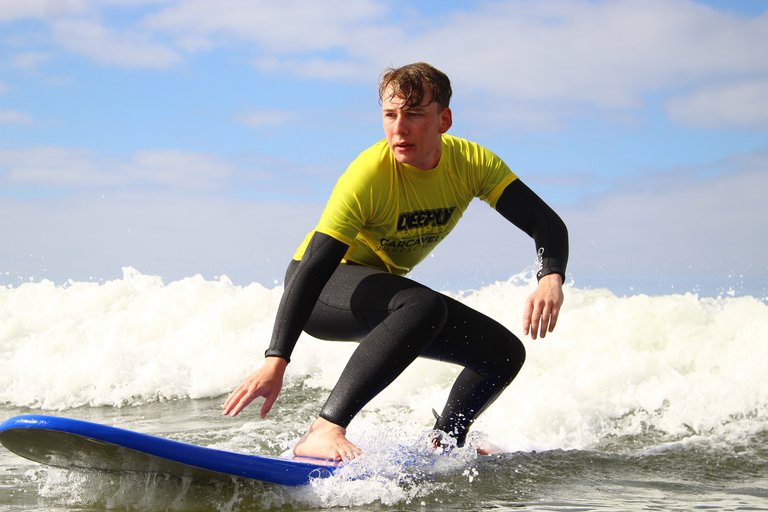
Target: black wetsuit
395,320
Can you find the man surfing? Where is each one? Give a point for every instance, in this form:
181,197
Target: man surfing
346,282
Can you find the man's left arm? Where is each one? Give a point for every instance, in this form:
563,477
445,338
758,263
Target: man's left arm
521,206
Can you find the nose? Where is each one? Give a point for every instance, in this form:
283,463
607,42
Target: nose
400,126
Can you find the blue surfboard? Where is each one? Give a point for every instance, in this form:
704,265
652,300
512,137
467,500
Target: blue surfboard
69,443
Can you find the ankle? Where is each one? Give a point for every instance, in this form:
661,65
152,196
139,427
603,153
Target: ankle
323,425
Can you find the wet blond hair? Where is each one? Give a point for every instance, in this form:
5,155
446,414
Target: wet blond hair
412,81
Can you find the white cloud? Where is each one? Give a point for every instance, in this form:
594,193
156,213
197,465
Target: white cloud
682,220
11,10
46,167
675,226
52,167
30,59
15,117
601,54
74,172
267,118
741,105
314,67
156,233
136,3
278,27
107,45
574,54
523,57
678,225
180,170
673,223
606,52
528,63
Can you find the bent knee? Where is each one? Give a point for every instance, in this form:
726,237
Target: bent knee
510,357
426,303
420,307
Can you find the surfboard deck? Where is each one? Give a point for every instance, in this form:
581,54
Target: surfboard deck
69,443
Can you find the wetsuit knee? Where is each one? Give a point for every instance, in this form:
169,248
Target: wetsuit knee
416,316
511,358
416,312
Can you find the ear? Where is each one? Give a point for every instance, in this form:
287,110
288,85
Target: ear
446,120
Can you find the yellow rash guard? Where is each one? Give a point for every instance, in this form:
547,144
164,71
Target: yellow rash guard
392,215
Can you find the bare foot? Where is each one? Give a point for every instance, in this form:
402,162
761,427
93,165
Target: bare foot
489,448
442,443
326,440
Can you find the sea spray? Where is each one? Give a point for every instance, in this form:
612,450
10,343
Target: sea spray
128,341
615,367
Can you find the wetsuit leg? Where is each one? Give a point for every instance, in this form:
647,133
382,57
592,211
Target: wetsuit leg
392,317
491,355
396,320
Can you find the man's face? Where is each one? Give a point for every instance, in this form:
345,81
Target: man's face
414,132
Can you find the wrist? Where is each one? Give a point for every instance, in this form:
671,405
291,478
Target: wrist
275,363
553,279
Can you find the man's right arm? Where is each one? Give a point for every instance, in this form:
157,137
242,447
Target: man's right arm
302,290
320,260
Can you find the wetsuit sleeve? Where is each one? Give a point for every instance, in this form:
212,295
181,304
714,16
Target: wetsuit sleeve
523,208
302,290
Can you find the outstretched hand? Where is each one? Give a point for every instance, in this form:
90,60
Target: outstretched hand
543,306
267,381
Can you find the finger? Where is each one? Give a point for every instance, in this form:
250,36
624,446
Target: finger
231,401
228,407
234,403
534,328
267,405
545,319
553,319
535,320
233,394
527,312
244,401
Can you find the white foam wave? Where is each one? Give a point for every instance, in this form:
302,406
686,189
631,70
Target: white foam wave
615,366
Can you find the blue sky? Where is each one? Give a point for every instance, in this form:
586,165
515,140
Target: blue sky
185,137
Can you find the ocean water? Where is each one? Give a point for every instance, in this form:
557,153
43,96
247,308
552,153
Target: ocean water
633,403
